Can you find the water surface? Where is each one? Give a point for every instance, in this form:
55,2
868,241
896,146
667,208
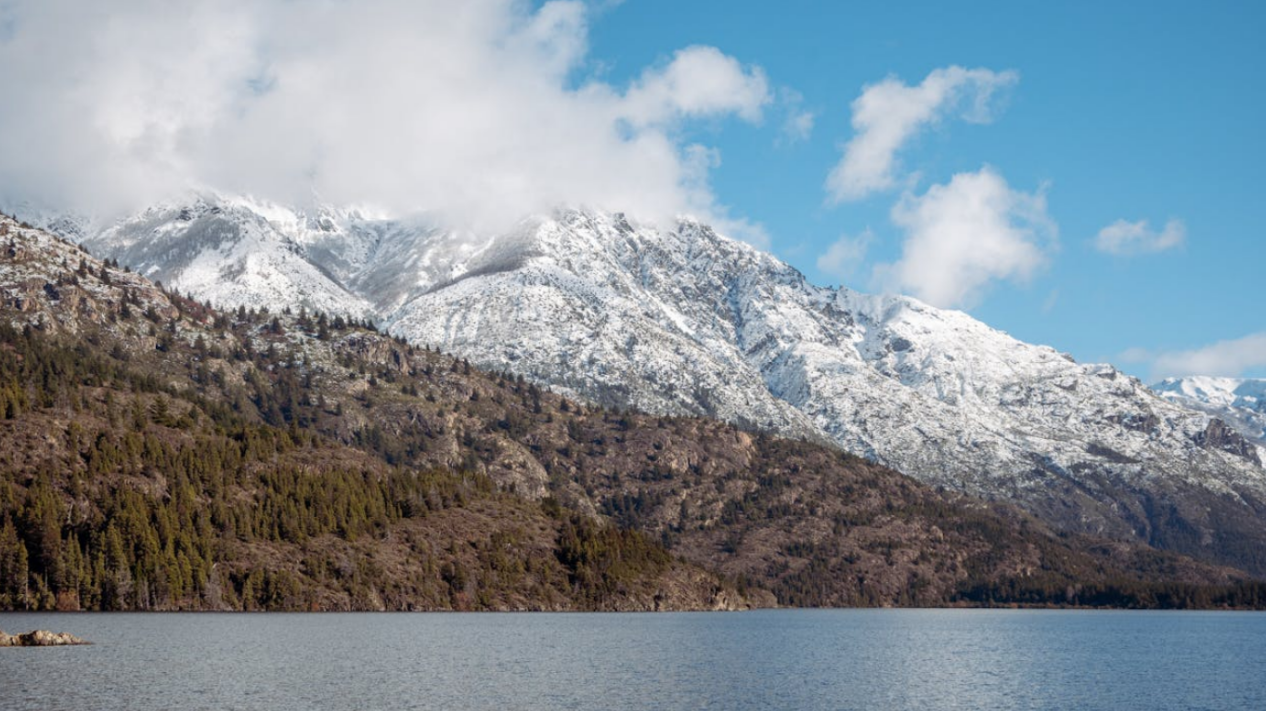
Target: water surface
783,659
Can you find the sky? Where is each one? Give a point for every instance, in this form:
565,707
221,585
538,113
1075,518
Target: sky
1083,175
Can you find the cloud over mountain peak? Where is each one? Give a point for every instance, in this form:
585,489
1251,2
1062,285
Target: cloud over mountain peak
482,111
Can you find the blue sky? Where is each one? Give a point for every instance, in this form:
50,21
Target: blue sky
1085,175
1120,112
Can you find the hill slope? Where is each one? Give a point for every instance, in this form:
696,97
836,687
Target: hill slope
289,460
687,322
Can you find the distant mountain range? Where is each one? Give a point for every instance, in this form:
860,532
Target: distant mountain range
1239,402
683,320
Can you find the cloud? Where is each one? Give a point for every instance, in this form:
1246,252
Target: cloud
699,81
890,113
480,111
1129,238
962,236
1225,358
797,122
842,259
798,126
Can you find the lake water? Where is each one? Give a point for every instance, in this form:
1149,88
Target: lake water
776,659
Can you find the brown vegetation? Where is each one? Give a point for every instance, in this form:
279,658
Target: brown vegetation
158,453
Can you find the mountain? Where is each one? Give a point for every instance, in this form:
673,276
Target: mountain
685,321
139,471
1239,402
161,454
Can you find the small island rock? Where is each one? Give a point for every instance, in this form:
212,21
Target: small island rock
39,638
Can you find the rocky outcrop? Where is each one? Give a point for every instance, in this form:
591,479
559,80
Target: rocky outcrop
683,321
40,638
483,492
1238,402
1218,436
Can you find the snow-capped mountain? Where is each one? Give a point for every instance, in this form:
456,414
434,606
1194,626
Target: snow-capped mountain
232,253
682,320
1239,402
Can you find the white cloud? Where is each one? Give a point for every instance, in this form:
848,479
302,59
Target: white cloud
480,111
842,259
963,236
1224,358
1128,238
699,81
890,113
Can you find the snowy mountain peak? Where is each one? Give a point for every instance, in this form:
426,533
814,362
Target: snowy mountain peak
1239,402
682,320
1222,392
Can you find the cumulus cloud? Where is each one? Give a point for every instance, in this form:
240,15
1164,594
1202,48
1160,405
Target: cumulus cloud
1130,238
963,236
699,81
842,259
1225,358
479,111
890,113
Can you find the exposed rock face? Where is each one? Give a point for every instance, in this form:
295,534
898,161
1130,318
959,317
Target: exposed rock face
1240,403
686,321
39,638
810,524
1219,436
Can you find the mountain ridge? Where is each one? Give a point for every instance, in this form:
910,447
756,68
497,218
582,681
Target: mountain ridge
685,321
162,454
1239,402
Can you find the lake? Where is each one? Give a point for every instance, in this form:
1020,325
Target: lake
780,659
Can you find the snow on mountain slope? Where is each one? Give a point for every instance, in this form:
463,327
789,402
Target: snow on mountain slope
553,304
231,254
639,315
1240,402
1243,393
685,321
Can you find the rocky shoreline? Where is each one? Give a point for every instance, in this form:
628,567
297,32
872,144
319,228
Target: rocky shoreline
40,638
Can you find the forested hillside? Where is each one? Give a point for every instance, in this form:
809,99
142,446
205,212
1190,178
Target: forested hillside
158,453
